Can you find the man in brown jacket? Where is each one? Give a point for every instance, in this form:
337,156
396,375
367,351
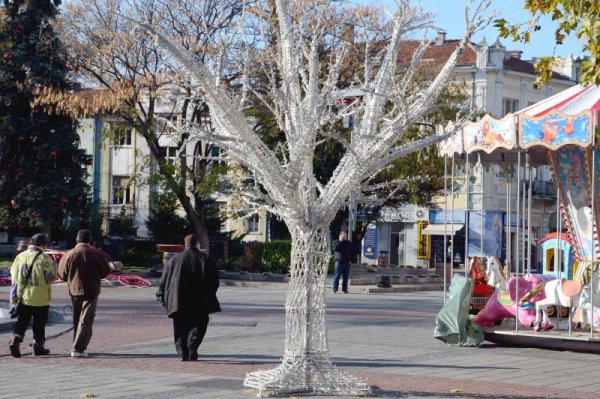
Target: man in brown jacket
82,268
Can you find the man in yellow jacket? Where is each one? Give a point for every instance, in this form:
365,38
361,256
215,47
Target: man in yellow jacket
31,273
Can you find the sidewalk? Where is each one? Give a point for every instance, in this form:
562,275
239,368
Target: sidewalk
386,340
363,279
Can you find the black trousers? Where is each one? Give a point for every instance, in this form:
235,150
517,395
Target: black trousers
40,318
189,331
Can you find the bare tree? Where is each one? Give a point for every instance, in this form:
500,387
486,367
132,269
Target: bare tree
301,49
139,85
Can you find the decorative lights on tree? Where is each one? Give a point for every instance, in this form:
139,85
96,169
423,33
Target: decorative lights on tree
303,65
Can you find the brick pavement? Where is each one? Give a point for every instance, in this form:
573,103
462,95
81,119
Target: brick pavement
385,339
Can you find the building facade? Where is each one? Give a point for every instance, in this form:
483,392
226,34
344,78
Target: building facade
498,82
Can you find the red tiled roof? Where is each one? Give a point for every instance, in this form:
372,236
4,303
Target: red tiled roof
437,54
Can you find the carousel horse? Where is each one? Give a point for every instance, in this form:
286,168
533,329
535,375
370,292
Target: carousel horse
504,303
556,293
563,292
495,276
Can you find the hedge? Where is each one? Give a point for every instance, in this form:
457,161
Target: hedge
276,256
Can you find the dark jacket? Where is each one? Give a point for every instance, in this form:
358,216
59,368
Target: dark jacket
344,251
189,284
82,268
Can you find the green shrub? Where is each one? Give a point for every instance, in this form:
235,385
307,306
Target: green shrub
252,256
276,257
230,265
139,257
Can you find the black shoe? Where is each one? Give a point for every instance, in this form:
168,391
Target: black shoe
185,358
194,356
345,292
13,345
39,350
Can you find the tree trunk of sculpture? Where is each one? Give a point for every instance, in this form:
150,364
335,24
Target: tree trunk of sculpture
306,367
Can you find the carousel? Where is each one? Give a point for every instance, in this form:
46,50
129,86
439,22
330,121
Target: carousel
551,299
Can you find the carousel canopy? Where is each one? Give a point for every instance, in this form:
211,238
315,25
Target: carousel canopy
565,119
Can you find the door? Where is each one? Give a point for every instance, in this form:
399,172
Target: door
401,248
394,241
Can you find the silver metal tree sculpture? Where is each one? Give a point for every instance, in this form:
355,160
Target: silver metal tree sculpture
302,67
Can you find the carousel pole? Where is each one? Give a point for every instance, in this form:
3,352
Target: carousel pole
529,201
468,208
509,222
481,206
517,236
594,236
445,250
558,256
525,222
559,264
452,218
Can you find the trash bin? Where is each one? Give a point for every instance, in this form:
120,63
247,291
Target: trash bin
383,260
383,281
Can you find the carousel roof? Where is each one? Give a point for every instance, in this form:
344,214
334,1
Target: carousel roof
566,119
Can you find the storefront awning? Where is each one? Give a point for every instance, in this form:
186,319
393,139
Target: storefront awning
440,229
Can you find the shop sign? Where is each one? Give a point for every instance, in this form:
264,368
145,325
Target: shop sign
404,215
423,241
370,242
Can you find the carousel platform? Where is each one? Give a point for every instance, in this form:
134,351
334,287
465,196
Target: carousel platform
559,338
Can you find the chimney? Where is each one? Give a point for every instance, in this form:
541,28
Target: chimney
441,37
513,54
481,49
496,55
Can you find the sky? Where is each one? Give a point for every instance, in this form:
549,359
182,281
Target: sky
449,15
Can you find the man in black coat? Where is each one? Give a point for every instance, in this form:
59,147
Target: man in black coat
344,253
188,291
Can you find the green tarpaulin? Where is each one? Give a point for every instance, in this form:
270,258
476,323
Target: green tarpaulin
453,324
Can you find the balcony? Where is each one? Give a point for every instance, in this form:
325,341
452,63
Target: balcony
117,211
541,189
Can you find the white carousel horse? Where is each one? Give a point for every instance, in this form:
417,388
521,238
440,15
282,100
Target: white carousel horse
495,277
559,292
568,293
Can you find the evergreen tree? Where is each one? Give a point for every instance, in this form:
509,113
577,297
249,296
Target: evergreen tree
42,170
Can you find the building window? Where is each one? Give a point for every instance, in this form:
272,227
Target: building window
171,154
121,190
122,138
252,224
509,105
174,121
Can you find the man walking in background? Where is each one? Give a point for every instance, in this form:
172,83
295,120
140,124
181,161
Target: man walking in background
344,252
188,291
83,268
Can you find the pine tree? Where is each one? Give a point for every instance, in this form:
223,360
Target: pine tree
42,169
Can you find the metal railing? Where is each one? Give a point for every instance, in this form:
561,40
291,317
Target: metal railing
543,189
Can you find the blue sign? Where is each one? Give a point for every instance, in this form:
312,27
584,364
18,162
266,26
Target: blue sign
439,217
492,232
370,242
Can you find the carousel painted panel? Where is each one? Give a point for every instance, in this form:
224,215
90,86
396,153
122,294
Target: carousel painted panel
555,130
489,134
572,172
454,143
596,185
